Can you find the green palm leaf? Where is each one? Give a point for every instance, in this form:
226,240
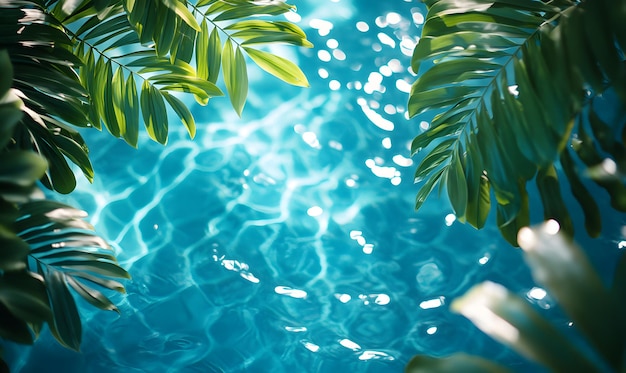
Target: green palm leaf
47,83
76,65
504,80
235,75
64,251
240,21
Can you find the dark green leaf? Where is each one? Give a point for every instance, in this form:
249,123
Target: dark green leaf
478,188
455,363
183,50
22,168
24,295
105,282
214,55
95,266
554,206
428,187
78,154
94,297
165,33
6,78
457,186
513,216
13,328
67,326
14,251
593,219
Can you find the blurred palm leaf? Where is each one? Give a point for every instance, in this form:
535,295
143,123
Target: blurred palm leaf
563,270
508,82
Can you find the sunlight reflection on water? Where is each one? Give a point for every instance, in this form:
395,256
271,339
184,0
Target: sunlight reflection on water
287,240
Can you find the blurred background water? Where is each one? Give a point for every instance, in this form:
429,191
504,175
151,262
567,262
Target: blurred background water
287,240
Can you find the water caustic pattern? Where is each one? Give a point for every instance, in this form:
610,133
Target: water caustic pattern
286,240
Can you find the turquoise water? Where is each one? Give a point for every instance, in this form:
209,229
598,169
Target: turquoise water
286,240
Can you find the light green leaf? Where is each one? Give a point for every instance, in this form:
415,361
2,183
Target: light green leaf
116,92
207,87
154,112
278,66
262,25
246,10
183,113
98,87
235,76
202,51
181,10
131,112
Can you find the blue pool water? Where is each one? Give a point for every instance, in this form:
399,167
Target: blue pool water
287,240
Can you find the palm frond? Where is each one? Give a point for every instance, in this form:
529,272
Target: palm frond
506,82
165,36
46,246
245,33
47,83
117,63
64,251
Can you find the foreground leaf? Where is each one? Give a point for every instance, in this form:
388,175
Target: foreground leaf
455,363
510,320
567,274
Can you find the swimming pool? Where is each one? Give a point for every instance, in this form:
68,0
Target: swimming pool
287,239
